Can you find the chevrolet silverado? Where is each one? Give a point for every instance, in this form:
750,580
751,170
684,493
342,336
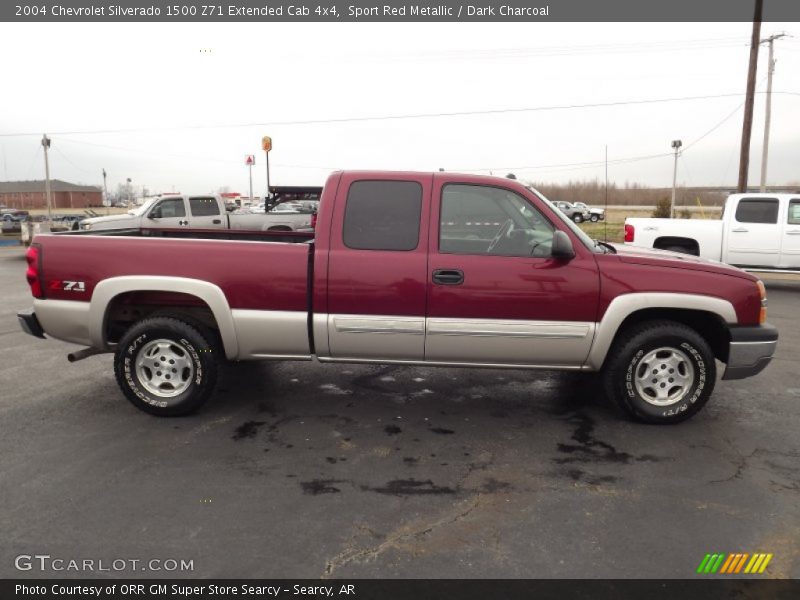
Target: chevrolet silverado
434,269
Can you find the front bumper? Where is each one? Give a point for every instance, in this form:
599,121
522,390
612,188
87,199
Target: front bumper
751,350
30,324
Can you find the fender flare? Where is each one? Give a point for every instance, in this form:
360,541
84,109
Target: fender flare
623,306
108,289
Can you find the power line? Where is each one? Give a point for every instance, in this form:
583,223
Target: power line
398,117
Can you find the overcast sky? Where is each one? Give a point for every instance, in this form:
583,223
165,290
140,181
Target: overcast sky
194,99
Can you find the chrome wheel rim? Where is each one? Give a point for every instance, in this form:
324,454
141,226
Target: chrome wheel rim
164,368
664,376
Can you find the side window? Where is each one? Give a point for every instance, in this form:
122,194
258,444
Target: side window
383,215
203,206
169,208
794,212
488,220
757,210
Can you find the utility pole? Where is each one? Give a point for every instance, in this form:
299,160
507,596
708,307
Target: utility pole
105,191
768,117
747,125
676,145
46,146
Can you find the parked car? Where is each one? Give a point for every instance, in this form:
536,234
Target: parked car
595,214
579,215
405,270
757,231
195,212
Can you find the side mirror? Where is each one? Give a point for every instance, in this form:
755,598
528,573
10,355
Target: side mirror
154,214
562,246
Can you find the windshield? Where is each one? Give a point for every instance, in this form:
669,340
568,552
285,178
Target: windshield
140,210
587,241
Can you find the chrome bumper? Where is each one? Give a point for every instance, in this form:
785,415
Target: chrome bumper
751,350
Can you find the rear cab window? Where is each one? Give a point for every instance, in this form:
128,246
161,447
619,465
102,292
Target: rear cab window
757,210
204,206
383,215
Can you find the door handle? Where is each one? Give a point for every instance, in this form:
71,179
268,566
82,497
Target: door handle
448,276
183,222
793,232
216,221
740,230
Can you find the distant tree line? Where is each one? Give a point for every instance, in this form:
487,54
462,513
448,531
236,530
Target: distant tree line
593,193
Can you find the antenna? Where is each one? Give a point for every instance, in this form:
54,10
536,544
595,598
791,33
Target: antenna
605,221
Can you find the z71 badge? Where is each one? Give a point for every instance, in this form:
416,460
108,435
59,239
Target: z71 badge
68,286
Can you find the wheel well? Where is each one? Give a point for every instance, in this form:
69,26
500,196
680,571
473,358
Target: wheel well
127,308
709,325
691,246
280,228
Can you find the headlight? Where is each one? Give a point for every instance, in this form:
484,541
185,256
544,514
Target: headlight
86,226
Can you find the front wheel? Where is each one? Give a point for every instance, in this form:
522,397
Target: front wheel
660,372
165,366
594,218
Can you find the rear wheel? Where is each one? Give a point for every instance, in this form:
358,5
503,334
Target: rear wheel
578,219
165,366
660,372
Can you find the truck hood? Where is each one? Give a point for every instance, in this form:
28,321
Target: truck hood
676,260
111,220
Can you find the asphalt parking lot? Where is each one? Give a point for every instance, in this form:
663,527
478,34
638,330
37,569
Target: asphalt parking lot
303,470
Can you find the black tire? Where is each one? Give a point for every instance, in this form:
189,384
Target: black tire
681,249
191,385
577,218
594,218
690,355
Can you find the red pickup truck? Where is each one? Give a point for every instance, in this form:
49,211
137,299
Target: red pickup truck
412,268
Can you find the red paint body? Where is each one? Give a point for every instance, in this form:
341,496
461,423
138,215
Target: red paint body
272,276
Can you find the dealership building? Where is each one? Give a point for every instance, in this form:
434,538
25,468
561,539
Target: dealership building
26,195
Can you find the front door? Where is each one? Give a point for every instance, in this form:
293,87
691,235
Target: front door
167,213
377,268
495,295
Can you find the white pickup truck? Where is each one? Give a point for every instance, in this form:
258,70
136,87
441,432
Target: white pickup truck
176,211
756,231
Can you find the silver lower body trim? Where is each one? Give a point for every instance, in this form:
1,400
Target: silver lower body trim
275,334
66,320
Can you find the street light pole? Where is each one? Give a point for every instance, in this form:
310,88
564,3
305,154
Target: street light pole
676,144
46,146
105,192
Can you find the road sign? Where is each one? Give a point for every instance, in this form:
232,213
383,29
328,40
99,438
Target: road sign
250,160
266,143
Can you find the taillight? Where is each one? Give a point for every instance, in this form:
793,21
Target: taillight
629,232
762,292
313,220
33,274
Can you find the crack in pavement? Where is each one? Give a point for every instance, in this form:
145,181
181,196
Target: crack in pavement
396,539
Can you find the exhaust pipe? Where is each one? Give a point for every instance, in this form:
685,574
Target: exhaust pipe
85,353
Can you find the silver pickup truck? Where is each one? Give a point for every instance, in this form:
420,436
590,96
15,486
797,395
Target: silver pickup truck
175,211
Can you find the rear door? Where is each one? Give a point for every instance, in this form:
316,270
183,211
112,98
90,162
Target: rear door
790,246
495,295
377,268
167,213
754,235
204,213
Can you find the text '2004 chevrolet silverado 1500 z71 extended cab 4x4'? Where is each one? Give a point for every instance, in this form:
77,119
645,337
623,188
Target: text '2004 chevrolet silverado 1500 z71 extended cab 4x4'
411,268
